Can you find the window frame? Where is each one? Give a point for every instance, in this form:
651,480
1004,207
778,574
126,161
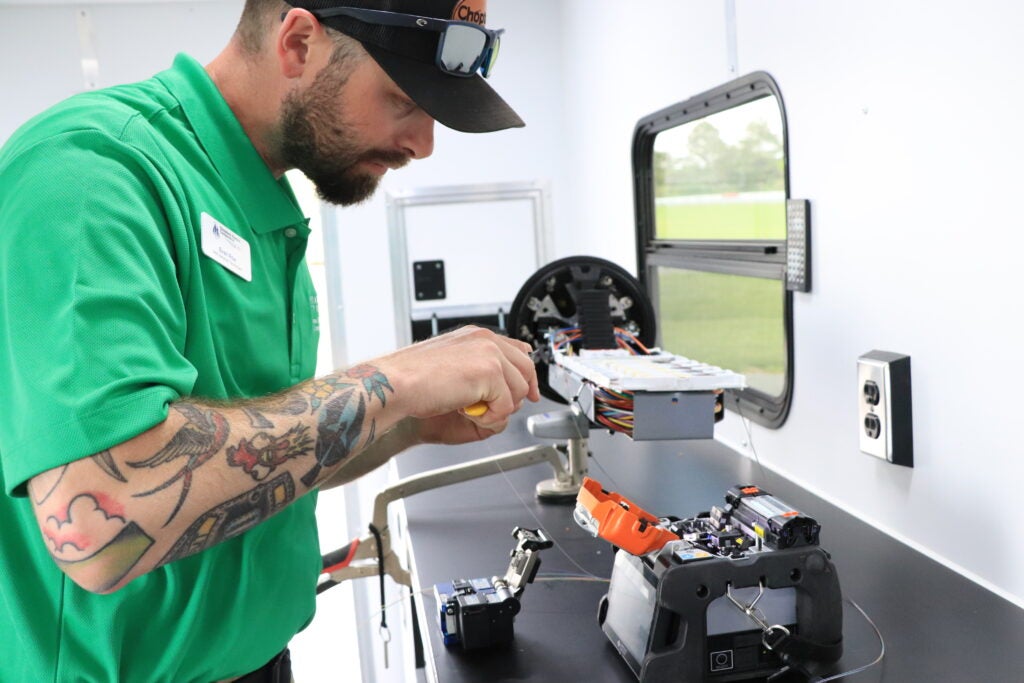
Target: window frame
764,259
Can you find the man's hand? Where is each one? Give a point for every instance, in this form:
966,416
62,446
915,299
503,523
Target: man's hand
453,428
435,380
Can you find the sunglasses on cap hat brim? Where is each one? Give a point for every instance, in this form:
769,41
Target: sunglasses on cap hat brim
463,49
441,64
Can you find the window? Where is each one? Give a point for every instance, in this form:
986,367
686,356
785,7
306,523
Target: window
711,184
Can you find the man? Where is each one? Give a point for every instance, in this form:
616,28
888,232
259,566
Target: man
161,442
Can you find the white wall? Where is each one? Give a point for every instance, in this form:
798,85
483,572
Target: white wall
42,51
905,135
528,76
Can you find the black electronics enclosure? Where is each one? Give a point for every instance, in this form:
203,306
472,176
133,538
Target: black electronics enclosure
663,631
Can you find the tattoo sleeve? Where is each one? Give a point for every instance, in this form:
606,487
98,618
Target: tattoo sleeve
234,517
208,473
43,486
106,463
91,530
199,440
260,455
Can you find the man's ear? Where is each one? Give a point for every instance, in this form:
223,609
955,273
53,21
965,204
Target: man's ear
297,39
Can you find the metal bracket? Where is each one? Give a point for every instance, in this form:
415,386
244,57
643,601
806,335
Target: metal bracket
568,478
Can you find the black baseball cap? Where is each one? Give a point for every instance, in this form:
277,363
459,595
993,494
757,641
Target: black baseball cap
409,57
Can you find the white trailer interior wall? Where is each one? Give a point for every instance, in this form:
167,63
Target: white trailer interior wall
904,133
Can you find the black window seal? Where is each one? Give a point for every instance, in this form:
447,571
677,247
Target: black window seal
753,258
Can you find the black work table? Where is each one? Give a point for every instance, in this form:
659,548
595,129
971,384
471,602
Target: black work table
938,626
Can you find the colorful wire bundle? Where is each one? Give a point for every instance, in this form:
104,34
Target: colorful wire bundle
627,340
565,336
614,409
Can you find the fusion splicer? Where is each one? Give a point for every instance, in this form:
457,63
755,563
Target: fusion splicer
479,612
743,591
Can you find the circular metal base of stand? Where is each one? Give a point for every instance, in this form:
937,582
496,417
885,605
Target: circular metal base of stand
554,491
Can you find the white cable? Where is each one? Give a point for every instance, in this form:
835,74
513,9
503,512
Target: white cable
426,591
541,525
753,450
750,440
881,654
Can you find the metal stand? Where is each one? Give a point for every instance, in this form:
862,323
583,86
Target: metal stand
573,426
363,557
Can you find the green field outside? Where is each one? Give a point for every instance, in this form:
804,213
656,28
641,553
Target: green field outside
731,321
721,221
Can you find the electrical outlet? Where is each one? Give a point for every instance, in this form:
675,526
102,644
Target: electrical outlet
885,409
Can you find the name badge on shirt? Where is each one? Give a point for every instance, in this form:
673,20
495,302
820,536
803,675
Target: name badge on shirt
226,248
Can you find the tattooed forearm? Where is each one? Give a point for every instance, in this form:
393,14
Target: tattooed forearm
338,431
188,483
257,419
289,404
106,462
320,390
234,517
199,440
372,436
374,381
285,405
260,455
342,419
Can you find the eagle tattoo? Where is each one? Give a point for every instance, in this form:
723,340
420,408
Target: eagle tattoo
196,442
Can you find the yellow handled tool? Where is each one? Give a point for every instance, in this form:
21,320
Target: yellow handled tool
476,410
479,408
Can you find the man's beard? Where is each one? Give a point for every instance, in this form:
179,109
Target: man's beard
315,139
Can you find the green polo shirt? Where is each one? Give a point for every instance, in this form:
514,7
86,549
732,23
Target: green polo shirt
146,254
